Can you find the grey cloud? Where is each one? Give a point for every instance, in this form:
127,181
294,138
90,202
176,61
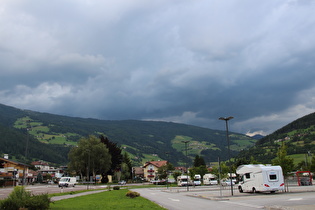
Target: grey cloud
188,62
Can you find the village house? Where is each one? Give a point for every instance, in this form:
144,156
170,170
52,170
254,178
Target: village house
40,165
150,169
12,171
45,169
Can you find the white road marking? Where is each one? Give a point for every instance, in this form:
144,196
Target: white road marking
295,199
172,199
245,204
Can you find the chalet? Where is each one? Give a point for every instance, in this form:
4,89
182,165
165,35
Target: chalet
150,169
40,165
11,171
138,173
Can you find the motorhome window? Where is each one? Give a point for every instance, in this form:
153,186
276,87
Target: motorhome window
272,176
247,175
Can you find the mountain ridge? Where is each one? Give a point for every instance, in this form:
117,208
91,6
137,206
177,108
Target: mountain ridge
143,140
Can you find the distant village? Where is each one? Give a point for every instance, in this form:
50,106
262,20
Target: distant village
12,172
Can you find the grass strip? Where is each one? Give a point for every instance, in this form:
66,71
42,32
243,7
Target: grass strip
114,199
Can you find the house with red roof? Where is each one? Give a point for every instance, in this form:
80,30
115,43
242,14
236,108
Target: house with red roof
150,169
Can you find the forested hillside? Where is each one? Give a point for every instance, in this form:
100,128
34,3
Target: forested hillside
53,135
298,135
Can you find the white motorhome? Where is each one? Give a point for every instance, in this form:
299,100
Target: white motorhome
184,180
209,179
260,178
197,180
67,182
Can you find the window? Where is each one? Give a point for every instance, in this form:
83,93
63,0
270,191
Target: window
247,175
272,176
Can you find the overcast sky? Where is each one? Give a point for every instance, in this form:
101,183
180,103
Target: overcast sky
182,61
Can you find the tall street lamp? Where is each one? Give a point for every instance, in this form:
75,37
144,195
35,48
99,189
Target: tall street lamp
226,119
186,142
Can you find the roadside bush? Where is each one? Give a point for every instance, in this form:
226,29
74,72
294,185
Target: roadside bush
38,202
20,198
132,194
116,188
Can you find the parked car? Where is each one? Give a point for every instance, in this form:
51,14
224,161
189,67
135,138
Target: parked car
227,182
122,182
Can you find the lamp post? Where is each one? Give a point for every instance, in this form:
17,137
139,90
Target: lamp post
186,142
28,129
226,119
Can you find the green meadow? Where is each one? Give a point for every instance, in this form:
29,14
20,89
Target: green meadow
115,199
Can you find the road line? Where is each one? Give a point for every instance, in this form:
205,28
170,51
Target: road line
295,199
172,199
244,204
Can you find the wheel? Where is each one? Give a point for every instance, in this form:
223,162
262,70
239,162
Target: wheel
254,190
240,189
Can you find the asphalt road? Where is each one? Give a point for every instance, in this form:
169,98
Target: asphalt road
42,189
209,197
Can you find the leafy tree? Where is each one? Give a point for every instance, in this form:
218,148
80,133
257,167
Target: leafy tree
199,161
283,160
202,170
90,157
222,171
163,171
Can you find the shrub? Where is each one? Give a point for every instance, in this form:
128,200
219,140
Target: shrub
38,202
116,188
16,199
20,198
132,194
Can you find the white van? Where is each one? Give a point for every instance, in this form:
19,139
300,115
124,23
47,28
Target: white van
67,181
260,178
197,180
183,180
209,179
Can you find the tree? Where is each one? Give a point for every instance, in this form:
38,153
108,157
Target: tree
199,161
116,157
201,170
312,166
126,167
163,170
90,157
222,171
283,160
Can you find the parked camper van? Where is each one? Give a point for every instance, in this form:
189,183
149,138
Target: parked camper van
197,180
183,181
209,179
67,182
260,178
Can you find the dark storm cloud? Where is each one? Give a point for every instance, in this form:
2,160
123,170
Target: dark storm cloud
181,61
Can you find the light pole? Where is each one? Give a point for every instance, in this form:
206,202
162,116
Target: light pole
28,129
226,119
186,142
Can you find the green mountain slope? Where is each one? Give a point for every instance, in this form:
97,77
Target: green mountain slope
143,140
298,135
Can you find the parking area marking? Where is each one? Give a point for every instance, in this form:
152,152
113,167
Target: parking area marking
245,204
